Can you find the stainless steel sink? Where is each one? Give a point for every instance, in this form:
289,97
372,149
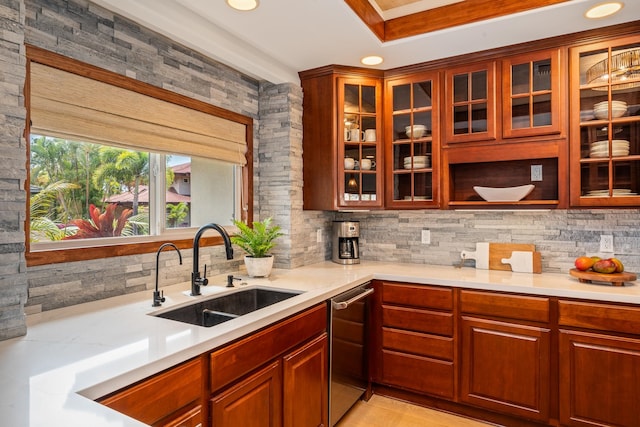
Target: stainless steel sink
214,311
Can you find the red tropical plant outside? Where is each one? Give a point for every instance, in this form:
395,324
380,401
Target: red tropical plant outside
102,224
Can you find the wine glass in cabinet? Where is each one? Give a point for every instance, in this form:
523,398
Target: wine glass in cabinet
412,136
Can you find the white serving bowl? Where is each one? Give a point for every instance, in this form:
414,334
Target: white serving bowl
507,194
415,131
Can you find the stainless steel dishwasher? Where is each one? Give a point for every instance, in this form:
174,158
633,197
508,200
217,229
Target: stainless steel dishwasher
348,365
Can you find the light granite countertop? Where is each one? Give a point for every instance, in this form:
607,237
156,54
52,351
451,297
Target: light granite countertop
73,355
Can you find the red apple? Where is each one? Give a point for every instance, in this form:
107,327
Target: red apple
584,263
604,266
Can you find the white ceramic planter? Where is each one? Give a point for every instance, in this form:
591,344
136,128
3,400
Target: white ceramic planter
258,267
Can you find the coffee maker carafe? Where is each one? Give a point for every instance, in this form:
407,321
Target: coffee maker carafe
345,249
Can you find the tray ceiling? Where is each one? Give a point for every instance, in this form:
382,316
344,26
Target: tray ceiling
396,19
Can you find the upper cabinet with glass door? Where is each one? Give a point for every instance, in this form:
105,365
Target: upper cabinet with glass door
359,150
530,89
470,103
605,120
532,98
412,151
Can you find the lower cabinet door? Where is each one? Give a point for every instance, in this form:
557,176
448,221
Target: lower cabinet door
505,367
305,385
599,380
253,402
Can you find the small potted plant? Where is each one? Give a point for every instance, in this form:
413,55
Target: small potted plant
257,241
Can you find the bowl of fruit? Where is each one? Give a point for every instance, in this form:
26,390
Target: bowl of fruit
596,269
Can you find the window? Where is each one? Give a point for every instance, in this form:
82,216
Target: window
115,168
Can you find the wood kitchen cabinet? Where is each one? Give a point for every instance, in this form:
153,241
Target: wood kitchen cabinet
533,97
291,392
506,115
506,356
253,402
605,123
413,141
416,349
599,364
470,103
342,138
276,377
517,96
305,373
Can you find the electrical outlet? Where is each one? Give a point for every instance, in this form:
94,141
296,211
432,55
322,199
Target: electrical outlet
426,237
606,243
536,172
319,238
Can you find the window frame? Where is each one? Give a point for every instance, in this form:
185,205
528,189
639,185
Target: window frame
142,244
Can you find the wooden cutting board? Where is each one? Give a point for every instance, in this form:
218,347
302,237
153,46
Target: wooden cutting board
497,251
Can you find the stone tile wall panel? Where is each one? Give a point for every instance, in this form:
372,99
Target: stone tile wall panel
13,276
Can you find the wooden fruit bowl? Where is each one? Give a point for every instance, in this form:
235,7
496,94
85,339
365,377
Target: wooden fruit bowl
616,279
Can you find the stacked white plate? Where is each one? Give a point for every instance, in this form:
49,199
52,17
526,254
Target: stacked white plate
419,162
601,109
617,192
619,147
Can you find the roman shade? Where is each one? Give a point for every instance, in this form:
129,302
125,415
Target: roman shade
74,107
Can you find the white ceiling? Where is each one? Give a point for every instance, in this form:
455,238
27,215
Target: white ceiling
283,37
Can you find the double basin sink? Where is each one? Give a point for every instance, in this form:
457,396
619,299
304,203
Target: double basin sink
216,310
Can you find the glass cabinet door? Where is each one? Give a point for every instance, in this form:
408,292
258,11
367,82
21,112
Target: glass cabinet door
532,94
607,142
470,102
359,159
412,154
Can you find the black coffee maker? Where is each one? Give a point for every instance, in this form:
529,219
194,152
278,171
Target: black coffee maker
345,249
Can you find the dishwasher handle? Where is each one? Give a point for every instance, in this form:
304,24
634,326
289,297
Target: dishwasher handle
342,305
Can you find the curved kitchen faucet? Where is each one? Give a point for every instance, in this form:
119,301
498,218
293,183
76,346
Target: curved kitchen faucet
196,280
158,297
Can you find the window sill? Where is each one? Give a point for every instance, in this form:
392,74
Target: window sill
55,256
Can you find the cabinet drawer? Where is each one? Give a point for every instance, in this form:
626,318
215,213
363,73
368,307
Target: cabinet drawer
242,357
414,319
161,395
418,343
417,296
534,309
418,373
605,317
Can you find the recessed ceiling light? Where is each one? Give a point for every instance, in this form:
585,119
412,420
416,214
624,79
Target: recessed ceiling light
244,5
603,9
371,60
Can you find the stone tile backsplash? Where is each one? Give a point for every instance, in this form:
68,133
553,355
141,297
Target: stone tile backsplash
560,235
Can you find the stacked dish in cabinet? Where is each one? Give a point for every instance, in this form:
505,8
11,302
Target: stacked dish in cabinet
619,147
601,109
616,192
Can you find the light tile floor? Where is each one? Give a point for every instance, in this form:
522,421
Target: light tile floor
381,411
